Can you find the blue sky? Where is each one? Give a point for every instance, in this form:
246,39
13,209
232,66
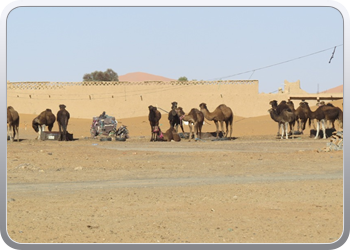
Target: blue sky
202,43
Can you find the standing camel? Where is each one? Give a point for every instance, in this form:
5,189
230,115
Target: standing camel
323,114
284,118
154,117
303,114
221,114
173,118
12,123
46,118
62,120
194,117
278,108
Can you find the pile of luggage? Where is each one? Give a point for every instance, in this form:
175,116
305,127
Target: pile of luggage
105,127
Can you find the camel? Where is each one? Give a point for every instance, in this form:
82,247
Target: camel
45,118
290,105
324,113
12,123
194,117
154,117
174,119
320,104
284,118
62,120
278,108
171,134
303,115
221,114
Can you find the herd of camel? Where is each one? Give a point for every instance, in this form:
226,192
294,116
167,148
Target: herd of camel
283,113
195,117
45,118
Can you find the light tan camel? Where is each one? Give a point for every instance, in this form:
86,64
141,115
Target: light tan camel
171,134
195,117
221,114
12,123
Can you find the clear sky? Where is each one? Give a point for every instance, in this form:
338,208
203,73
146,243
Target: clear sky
202,43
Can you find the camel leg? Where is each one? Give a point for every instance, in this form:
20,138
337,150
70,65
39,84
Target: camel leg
39,132
217,129
222,127
17,129
200,131
9,134
226,123
151,133
14,132
282,130
60,130
278,129
286,128
318,129
190,134
323,128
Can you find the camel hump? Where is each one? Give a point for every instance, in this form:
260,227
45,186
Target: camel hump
49,110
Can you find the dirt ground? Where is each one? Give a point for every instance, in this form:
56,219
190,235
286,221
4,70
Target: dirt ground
254,189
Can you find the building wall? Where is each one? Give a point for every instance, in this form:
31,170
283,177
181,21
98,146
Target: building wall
126,99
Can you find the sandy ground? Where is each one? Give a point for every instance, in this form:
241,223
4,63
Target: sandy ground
255,188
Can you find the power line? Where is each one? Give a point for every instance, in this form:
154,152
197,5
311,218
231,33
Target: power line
276,64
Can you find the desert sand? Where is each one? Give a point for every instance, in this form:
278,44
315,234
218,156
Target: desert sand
255,188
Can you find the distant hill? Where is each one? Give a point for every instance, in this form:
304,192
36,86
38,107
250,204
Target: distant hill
141,77
338,89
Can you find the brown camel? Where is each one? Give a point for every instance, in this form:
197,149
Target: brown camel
303,115
174,119
221,114
278,108
12,123
284,118
46,118
154,117
324,113
194,117
62,120
320,104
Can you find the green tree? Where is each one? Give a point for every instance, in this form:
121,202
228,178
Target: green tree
183,79
108,75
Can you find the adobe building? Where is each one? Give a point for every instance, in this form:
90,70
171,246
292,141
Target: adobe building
131,99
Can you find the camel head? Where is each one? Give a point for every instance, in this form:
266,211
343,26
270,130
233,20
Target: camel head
283,102
173,105
319,104
62,106
150,107
290,104
303,104
35,124
203,105
273,103
179,111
